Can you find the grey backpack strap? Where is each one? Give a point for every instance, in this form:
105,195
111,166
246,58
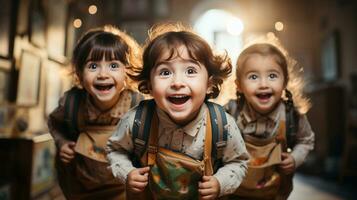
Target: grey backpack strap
141,126
219,132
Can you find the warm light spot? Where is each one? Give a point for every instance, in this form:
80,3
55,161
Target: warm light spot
77,23
92,9
270,35
279,26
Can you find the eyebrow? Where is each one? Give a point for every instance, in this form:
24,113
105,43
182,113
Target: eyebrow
168,62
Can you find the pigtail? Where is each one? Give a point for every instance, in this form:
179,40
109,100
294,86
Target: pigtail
240,100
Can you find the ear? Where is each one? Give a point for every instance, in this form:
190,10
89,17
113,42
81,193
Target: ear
149,87
210,85
239,88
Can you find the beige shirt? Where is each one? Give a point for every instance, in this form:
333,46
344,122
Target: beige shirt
189,140
252,123
91,115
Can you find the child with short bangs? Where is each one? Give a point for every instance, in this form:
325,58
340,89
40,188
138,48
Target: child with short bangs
87,115
270,111
165,144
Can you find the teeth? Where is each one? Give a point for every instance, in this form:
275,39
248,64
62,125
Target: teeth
178,96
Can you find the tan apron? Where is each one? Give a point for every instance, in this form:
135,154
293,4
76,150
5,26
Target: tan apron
263,180
88,175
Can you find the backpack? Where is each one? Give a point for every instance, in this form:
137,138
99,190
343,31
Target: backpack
72,114
142,124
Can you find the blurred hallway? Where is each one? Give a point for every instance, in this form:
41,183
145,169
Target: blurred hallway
315,188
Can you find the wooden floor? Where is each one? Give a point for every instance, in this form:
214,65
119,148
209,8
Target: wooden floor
305,188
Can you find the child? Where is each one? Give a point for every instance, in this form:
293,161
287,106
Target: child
181,73
270,123
85,118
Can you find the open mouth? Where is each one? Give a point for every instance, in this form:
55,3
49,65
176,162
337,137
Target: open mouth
264,96
179,99
104,87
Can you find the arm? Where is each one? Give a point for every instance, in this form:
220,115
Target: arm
235,160
57,125
305,139
120,146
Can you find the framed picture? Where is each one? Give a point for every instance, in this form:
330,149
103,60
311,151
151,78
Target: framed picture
53,86
134,8
37,23
29,79
330,58
43,171
56,29
7,27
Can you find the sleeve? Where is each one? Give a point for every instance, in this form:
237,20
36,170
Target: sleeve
305,139
235,159
56,124
120,146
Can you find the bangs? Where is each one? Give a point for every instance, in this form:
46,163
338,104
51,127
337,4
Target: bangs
108,53
172,46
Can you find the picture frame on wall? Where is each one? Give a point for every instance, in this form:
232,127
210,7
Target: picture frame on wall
8,28
43,170
29,79
56,30
37,24
53,86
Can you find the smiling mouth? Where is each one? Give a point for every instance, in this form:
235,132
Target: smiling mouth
179,99
264,96
104,87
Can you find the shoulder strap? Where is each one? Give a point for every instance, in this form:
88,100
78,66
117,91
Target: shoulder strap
219,132
71,107
141,126
292,124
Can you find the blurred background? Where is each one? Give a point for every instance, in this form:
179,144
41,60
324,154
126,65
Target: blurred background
37,39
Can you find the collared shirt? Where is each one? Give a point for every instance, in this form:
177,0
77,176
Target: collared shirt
92,115
249,121
188,139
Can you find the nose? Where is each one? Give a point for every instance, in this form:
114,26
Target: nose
263,83
177,82
102,73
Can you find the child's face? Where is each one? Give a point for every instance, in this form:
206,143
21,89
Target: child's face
104,80
261,80
179,86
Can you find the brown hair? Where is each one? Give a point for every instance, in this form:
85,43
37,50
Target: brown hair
168,37
293,81
108,42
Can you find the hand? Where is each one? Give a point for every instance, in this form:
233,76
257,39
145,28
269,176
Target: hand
67,152
138,179
287,164
209,187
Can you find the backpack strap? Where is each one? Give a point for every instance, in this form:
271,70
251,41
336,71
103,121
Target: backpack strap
219,132
292,124
71,110
141,126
